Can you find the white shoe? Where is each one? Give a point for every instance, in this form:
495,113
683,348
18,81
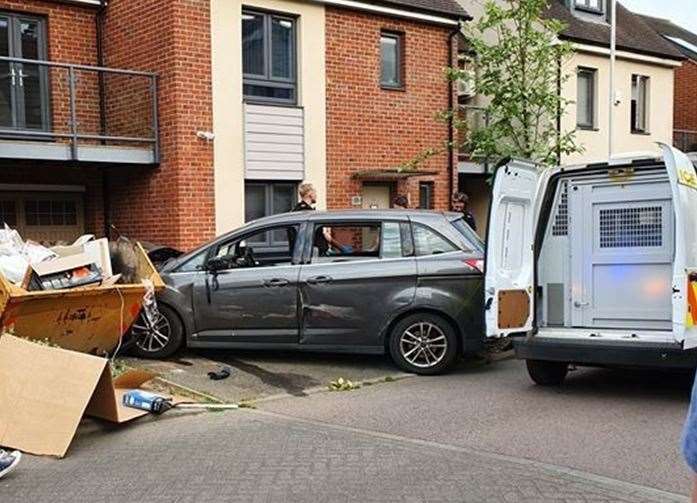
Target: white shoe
8,461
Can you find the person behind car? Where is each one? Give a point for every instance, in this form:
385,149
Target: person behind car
460,203
308,198
689,440
400,202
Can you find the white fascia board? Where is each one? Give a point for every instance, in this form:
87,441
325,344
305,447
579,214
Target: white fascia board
631,56
87,3
390,11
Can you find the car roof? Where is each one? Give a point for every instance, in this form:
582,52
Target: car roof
353,214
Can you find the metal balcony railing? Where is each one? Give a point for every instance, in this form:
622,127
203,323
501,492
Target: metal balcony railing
471,118
685,140
78,105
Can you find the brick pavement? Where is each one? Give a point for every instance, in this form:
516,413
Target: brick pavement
261,457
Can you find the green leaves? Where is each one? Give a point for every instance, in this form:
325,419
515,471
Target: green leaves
518,57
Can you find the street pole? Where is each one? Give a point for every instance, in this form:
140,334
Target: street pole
613,37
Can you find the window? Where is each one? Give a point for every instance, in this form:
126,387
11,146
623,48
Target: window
268,57
428,242
50,212
396,240
262,199
426,195
474,241
8,213
590,5
640,104
252,250
585,98
631,227
195,263
341,242
391,60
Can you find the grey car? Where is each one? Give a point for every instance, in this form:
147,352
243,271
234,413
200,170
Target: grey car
404,282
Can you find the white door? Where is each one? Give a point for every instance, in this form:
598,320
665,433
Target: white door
510,260
683,181
622,246
376,196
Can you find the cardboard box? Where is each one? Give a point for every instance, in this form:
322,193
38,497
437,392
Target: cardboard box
45,392
95,249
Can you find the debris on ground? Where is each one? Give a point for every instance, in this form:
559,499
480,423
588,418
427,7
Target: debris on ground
220,374
342,384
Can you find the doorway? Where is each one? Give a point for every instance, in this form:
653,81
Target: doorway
377,196
23,86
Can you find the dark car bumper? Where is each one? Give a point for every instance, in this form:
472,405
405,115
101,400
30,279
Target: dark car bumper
606,353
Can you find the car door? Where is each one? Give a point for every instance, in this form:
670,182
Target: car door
510,262
251,302
350,291
683,181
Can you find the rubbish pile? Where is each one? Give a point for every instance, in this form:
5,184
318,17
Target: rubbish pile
33,267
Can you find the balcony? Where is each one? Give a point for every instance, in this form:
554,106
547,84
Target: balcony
471,118
685,140
64,112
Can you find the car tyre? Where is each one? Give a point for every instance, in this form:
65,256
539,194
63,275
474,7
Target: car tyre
160,339
546,373
424,344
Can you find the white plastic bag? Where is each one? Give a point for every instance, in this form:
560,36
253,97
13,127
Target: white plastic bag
13,267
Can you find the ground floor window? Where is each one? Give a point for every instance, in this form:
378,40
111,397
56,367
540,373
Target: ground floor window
426,195
49,217
262,199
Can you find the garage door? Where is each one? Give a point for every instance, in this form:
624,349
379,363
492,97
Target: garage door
44,216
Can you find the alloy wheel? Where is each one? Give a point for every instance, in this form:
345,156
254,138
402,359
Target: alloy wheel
423,344
152,335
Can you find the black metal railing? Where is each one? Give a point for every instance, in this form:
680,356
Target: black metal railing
78,104
685,140
470,118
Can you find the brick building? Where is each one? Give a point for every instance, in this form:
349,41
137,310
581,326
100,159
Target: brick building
685,104
223,109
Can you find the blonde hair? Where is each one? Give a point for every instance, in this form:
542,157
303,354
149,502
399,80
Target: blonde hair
305,189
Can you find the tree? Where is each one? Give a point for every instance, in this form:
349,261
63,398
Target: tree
520,75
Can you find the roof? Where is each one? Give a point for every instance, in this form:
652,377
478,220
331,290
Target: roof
667,28
633,33
450,8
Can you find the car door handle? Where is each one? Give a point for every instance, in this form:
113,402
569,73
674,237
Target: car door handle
579,304
276,282
318,280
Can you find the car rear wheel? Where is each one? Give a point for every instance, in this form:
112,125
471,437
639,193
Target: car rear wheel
547,373
160,337
423,343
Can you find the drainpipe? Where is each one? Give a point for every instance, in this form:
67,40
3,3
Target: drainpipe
106,200
451,105
559,111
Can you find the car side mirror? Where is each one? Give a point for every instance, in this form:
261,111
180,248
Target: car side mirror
217,264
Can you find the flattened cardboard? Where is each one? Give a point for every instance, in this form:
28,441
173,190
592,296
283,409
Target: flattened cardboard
45,391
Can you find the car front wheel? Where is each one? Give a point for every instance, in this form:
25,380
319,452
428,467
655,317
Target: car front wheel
159,337
423,344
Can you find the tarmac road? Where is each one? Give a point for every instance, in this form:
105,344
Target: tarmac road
483,433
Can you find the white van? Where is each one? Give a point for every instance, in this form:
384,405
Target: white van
595,265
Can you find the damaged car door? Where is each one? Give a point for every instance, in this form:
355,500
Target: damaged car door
249,291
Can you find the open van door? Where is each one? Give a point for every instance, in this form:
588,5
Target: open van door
510,260
683,181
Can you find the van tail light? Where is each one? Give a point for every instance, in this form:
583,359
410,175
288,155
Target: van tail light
474,263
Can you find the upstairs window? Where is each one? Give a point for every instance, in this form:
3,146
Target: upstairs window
268,57
590,5
585,98
391,49
640,104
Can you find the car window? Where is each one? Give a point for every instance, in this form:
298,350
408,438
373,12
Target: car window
429,242
470,236
396,240
195,263
342,242
264,248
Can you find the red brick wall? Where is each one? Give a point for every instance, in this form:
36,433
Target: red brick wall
685,113
172,204
372,128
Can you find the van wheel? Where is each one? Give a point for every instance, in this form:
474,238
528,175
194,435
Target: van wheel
423,344
547,373
159,338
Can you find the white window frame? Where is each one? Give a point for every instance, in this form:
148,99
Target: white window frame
641,95
591,107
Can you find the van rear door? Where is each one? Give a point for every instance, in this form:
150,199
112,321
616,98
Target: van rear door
510,262
683,181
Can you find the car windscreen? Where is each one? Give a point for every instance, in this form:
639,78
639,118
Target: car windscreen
469,234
